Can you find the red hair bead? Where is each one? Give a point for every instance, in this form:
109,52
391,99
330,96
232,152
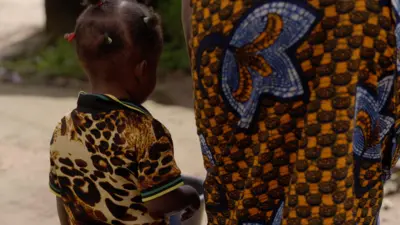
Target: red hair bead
70,37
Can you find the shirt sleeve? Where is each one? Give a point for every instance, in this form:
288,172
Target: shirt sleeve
158,172
54,184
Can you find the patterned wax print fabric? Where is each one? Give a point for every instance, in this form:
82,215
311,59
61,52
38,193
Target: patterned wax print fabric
108,157
296,108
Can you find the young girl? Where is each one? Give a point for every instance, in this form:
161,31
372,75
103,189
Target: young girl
111,161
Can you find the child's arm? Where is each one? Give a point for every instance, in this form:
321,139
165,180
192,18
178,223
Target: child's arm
184,199
54,184
62,214
160,181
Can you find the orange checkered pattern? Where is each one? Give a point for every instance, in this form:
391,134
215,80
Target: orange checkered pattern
297,153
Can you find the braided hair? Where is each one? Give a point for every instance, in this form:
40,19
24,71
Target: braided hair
111,31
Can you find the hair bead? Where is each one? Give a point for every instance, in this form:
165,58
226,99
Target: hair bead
70,37
97,3
100,3
151,21
108,39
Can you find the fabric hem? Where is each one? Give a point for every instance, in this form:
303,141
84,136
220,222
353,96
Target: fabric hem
165,189
54,190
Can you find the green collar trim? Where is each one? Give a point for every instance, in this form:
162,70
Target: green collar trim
129,105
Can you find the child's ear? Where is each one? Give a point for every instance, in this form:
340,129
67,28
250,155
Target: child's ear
141,68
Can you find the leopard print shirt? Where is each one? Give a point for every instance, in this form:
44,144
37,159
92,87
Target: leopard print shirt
107,158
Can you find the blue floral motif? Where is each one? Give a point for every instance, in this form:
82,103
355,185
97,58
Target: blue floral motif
282,80
372,106
279,215
396,12
396,7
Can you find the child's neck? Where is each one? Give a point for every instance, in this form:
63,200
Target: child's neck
118,92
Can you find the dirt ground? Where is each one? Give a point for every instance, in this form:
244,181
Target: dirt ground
29,114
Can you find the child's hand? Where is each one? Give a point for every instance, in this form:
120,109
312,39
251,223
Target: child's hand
188,213
184,199
193,208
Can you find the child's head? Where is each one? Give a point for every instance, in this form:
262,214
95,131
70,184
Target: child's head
119,43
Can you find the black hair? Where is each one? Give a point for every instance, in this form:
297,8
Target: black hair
113,29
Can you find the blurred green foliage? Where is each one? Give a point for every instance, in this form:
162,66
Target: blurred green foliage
59,59
174,56
54,60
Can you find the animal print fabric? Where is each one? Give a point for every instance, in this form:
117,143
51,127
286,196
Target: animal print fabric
296,107
107,158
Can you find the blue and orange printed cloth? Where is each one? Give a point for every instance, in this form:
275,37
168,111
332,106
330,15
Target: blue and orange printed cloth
297,108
